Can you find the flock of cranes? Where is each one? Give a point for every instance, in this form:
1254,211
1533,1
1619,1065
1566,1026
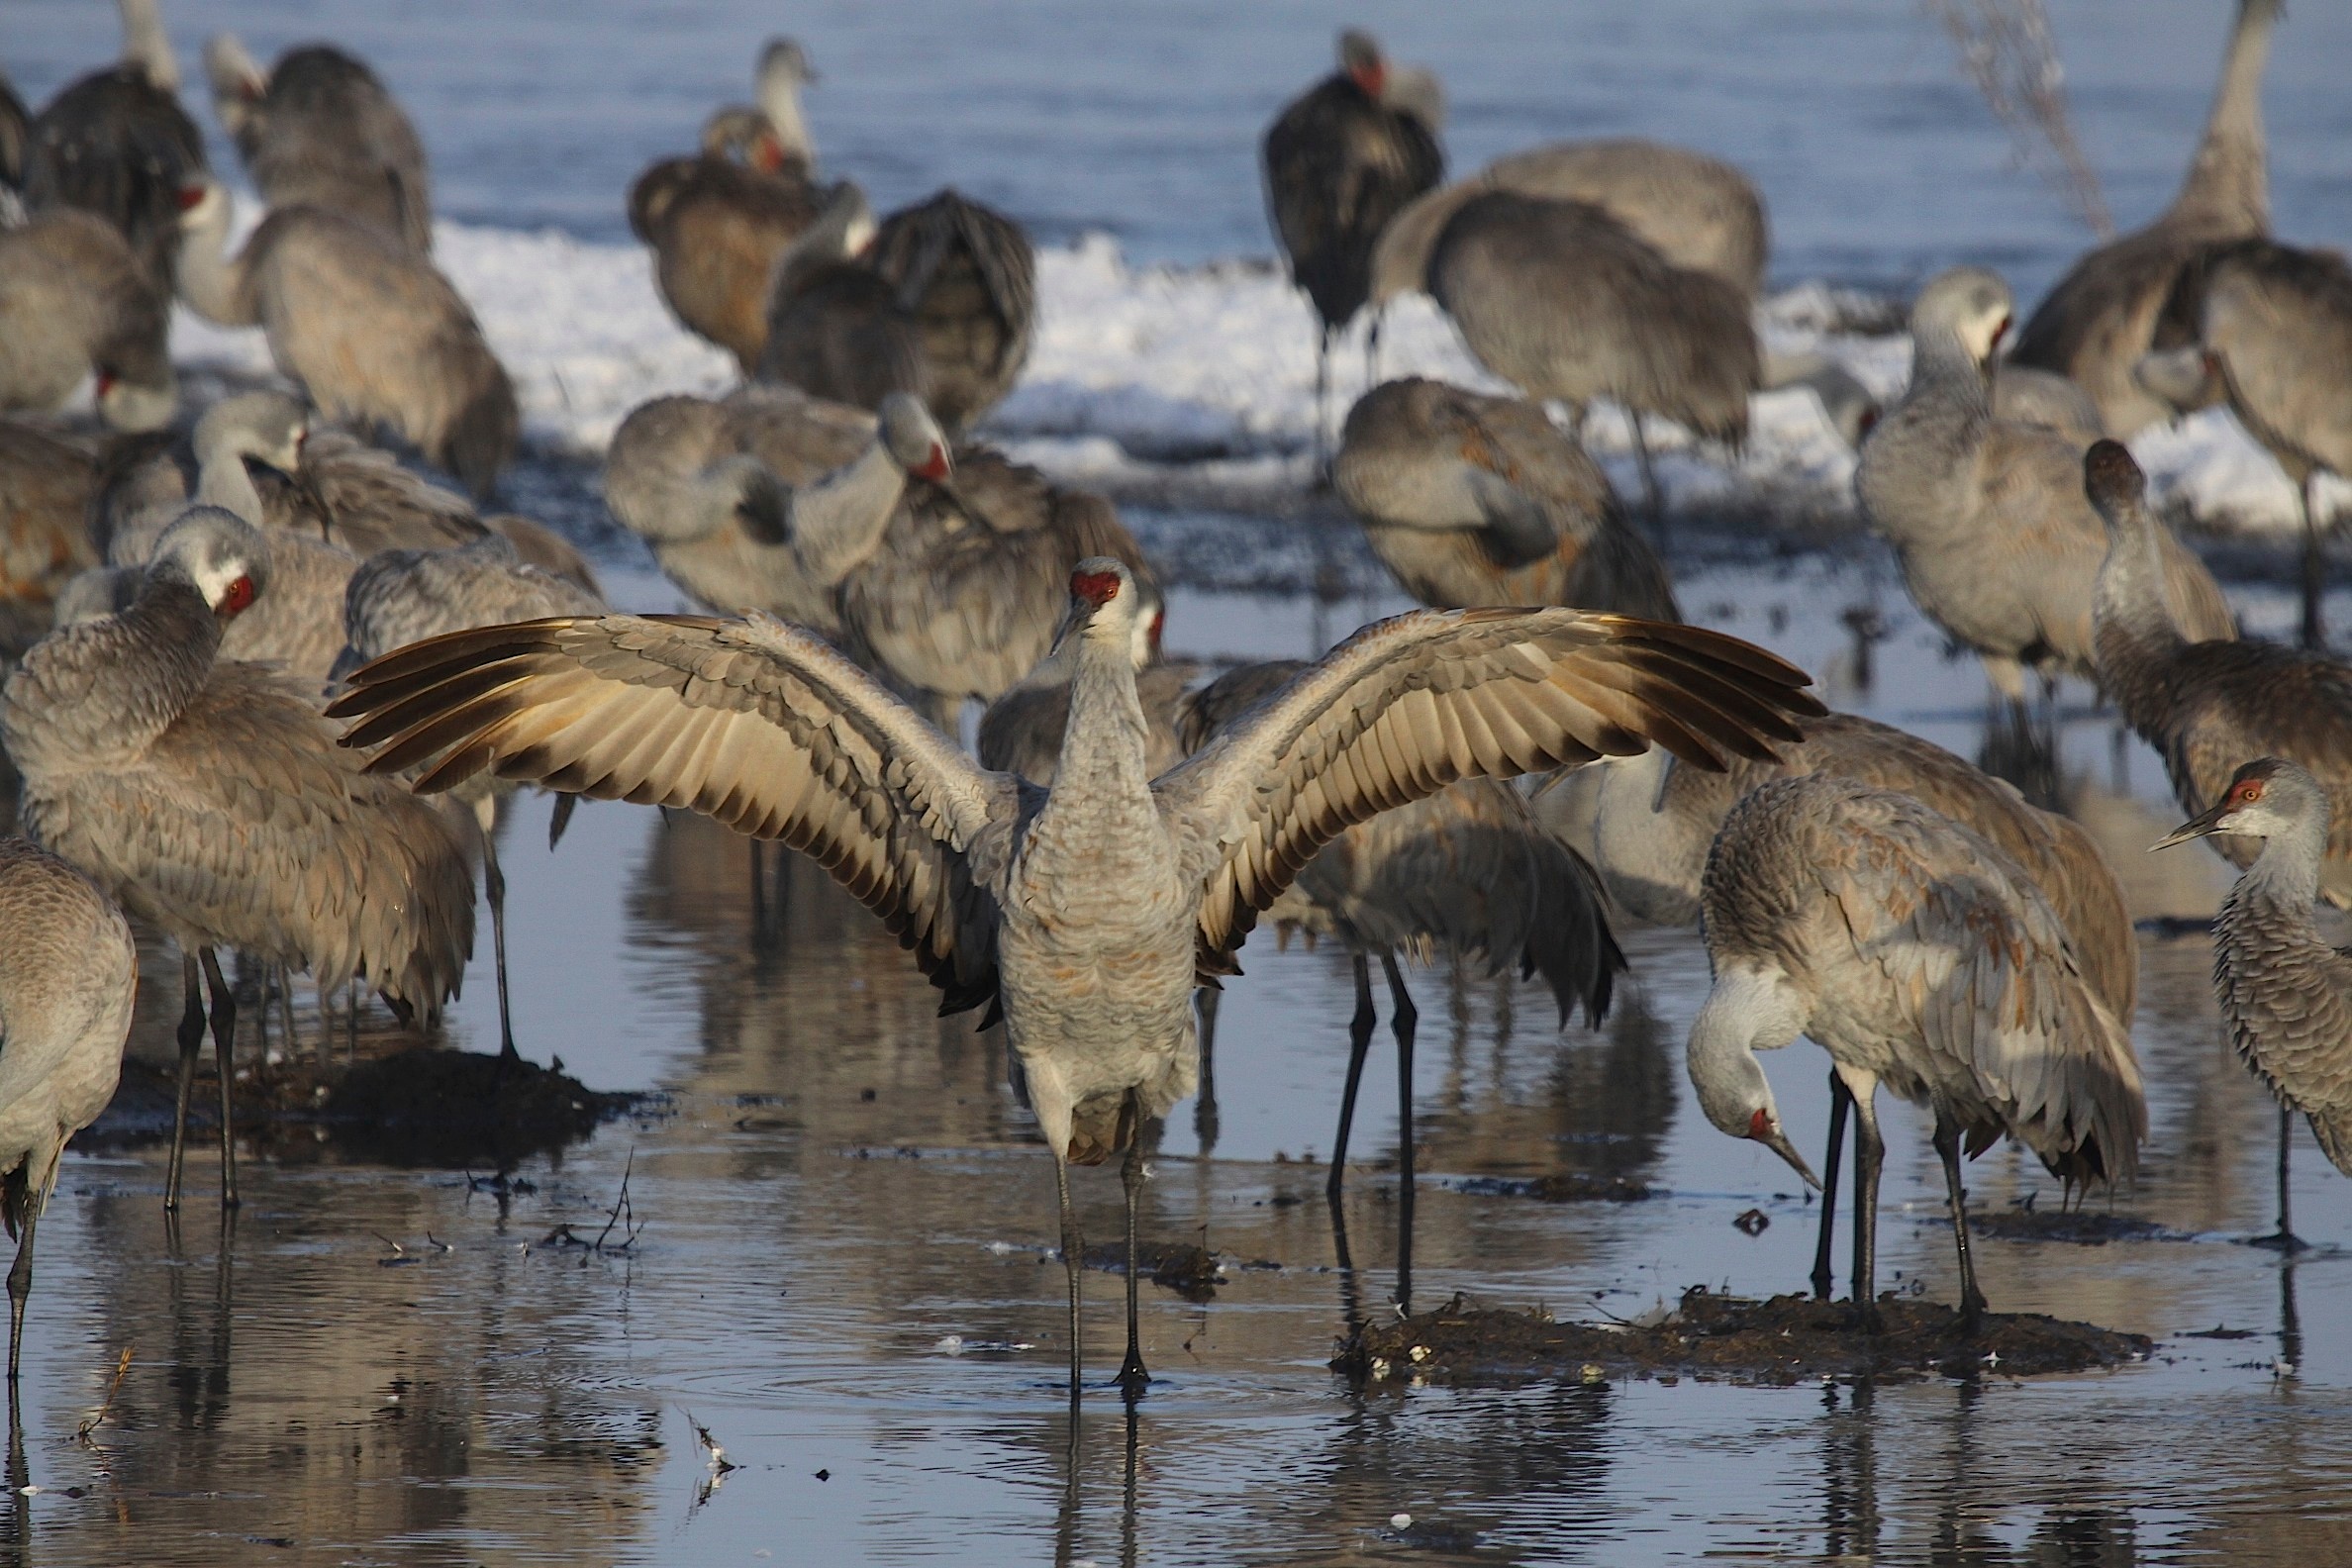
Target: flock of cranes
252,653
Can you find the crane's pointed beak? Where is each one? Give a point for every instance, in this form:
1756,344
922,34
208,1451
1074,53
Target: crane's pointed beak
1776,1140
2195,828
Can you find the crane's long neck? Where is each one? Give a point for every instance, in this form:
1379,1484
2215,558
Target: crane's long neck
779,100
212,281
2133,633
1105,744
1917,464
1750,1009
147,45
2228,184
222,480
836,524
2286,875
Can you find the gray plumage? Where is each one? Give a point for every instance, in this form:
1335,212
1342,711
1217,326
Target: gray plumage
720,222
1988,520
210,798
1696,212
75,302
1652,824
1917,955
45,486
68,974
1022,730
958,591
2100,318
2285,993
319,128
2207,706
1088,913
1475,500
1563,301
2268,329
117,144
369,328
835,328
15,128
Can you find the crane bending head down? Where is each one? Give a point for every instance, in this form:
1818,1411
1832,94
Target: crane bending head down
1747,1012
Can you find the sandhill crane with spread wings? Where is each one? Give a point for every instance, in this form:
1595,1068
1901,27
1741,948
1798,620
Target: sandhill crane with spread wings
1087,914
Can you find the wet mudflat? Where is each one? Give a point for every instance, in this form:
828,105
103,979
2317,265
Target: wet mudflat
826,1241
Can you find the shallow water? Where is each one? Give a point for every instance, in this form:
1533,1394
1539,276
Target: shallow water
840,1220
841,1267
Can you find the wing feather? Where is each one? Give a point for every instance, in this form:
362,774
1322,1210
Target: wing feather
1405,707
759,724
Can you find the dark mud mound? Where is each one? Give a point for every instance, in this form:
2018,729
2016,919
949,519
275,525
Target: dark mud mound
1190,1271
1787,1339
417,1107
2078,1228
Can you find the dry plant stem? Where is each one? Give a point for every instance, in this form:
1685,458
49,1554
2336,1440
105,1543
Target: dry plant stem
2007,49
83,1433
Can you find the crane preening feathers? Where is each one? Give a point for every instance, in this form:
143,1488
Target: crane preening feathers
1085,914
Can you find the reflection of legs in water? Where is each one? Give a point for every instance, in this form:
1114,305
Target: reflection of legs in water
1132,1376
1129,1494
1870,1154
1073,1260
1351,1296
1849,1481
1205,1105
1066,1518
1359,1044
1841,1100
1401,1019
1972,1300
2283,1238
2290,1321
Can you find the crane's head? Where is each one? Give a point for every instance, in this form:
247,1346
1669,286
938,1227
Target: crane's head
914,438
784,61
269,426
2269,798
203,205
2184,379
1107,603
1748,1009
1966,303
2113,483
131,402
221,556
1361,60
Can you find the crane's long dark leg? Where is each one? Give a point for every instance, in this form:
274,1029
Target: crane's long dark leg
760,913
1073,1250
1372,348
1205,1104
494,891
1402,1016
1132,1377
224,1034
2283,1238
20,1275
1360,1045
191,1041
1323,408
1841,1100
1870,1154
1972,1300
2314,567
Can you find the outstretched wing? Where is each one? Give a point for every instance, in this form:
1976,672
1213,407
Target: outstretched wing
1409,705
759,724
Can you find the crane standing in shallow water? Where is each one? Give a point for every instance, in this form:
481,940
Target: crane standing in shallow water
1919,955
69,972
1087,914
2284,992
1339,161
210,798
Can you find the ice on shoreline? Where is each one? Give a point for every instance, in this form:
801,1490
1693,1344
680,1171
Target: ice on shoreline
1200,381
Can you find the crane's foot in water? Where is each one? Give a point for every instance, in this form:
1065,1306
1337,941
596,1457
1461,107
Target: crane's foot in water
2281,1241
1133,1380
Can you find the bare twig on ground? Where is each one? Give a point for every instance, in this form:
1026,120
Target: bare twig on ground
83,1433
2007,49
